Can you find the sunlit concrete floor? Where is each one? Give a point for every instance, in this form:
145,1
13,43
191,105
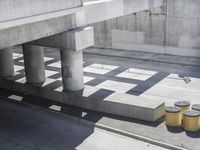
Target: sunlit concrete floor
149,78
172,81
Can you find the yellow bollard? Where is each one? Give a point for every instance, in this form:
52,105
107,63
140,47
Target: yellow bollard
173,116
183,105
196,107
191,120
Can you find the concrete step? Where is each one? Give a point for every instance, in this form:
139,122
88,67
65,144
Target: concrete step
126,105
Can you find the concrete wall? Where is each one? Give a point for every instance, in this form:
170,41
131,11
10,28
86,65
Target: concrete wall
173,29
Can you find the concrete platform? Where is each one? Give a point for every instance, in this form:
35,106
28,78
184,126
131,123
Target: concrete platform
99,98
117,103
26,127
107,76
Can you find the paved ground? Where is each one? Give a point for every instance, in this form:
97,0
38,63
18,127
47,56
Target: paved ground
157,130
146,78
151,79
24,127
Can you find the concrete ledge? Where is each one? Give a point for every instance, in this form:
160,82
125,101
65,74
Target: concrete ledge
77,39
12,9
117,104
138,55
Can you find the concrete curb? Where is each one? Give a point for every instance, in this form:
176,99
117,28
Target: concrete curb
103,127
138,137
144,59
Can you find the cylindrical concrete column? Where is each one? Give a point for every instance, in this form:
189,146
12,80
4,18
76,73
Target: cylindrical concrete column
6,62
72,70
34,64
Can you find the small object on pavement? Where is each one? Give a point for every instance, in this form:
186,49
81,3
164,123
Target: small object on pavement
173,116
191,120
196,107
183,105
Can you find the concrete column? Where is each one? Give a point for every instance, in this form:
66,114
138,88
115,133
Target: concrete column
6,63
34,64
72,69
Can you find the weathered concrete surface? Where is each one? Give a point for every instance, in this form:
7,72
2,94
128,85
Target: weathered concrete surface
100,10
72,69
6,62
25,32
34,64
177,137
77,39
106,75
11,9
146,56
173,29
24,127
39,23
130,106
94,98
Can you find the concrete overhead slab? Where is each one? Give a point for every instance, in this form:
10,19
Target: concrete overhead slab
100,10
36,22
12,9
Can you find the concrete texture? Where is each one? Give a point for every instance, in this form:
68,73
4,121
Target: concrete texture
161,81
72,69
146,56
6,62
34,64
94,98
11,9
100,10
39,23
172,29
104,76
26,127
145,131
76,39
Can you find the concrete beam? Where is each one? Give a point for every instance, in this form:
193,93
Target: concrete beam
75,40
30,29
12,9
34,64
6,63
97,11
35,24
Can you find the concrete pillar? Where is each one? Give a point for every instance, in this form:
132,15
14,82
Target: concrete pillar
6,63
72,69
34,64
